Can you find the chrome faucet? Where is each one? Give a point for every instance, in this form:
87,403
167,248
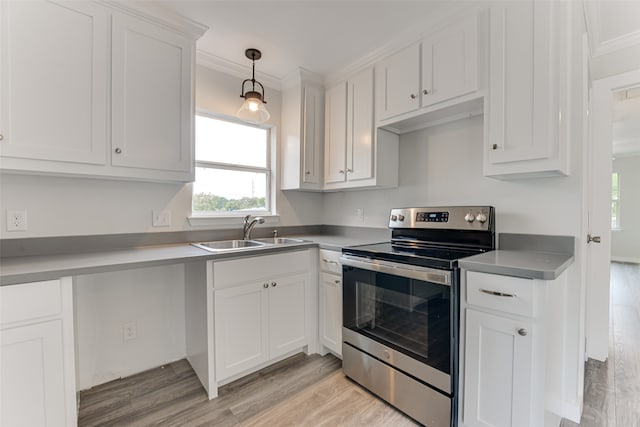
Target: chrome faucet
249,224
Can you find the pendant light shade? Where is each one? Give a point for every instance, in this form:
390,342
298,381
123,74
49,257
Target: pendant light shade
253,108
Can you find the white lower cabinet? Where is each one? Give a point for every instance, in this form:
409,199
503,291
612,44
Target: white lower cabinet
37,355
504,351
262,310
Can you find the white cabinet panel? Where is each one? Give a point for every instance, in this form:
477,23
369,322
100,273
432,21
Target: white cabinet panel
287,315
53,81
335,133
241,329
151,96
450,62
498,372
400,77
360,129
312,134
32,372
330,316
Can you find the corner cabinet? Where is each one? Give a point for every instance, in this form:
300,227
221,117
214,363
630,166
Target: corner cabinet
37,363
263,310
302,133
527,91
356,154
112,96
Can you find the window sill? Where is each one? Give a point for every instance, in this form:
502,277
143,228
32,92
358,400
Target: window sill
227,221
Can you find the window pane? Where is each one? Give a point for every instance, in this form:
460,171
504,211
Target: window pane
220,190
615,186
225,142
614,214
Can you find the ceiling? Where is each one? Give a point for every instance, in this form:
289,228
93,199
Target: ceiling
320,36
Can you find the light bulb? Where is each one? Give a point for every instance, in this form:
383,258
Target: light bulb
254,105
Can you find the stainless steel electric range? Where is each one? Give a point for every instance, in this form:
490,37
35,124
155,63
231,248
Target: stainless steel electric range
401,308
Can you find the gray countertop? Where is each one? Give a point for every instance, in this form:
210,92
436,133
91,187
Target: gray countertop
22,269
519,263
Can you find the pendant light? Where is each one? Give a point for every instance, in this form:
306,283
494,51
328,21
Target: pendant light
253,109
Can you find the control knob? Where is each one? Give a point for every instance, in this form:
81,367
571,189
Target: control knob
481,218
400,217
469,217
394,218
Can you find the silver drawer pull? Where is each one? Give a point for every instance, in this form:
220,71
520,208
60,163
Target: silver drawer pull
497,294
329,261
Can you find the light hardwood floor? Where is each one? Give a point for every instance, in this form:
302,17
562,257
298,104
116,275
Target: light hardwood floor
299,391
612,388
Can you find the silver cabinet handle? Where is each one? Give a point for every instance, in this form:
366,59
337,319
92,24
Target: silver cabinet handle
425,92
307,172
494,147
328,261
265,285
118,150
497,294
522,332
349,170
273,284
341,171
337,282
1,137
594,239
412,96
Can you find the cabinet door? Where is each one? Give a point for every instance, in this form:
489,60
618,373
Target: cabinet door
151,93
523,95
498,371
240,328
32,371
450,62
360,126
287,314
53,81
335,134
312,134
400,82
331,312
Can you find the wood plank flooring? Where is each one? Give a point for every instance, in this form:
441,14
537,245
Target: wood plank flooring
612,388
299,391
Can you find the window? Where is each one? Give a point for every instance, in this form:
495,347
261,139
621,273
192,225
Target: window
615,201
232,168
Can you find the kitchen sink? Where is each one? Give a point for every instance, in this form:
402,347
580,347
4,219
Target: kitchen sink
228,245
279,240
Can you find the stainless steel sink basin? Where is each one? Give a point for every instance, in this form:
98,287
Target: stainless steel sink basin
228,245
279,240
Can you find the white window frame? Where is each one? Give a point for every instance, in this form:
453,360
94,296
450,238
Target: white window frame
231,218
617,203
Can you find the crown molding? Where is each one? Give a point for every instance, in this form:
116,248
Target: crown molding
598,45
302,75
217,63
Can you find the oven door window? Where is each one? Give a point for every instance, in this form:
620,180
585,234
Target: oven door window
411,316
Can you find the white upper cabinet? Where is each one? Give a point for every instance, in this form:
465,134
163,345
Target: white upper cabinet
302,133
70,81
151,96
399,78
441,67
524,111
356,155
450,62
53,81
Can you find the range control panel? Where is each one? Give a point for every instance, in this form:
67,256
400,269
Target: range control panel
451,217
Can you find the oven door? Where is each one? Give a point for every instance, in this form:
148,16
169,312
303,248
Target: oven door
405,308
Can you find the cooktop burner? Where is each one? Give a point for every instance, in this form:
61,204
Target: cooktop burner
443,258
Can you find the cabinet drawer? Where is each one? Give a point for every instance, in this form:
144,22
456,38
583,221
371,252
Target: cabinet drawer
29,301
330,261
243,270
502,293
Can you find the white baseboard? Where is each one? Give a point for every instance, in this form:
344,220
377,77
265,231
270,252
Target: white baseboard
625,259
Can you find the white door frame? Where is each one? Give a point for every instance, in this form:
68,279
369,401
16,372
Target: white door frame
598,190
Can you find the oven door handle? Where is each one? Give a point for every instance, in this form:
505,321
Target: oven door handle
403,270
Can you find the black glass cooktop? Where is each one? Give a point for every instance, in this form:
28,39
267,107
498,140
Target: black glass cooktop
434,257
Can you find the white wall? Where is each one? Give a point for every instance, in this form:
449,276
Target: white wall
625,243
151,297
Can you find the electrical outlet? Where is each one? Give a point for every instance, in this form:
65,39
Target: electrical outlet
161,219
129,331
16,220
360,214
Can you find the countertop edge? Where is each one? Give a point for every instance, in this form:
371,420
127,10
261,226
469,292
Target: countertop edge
533,272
